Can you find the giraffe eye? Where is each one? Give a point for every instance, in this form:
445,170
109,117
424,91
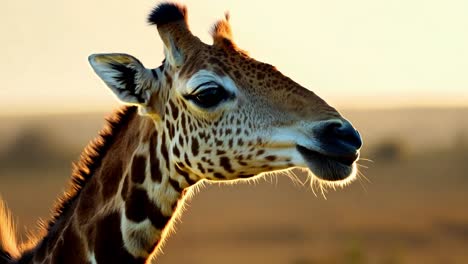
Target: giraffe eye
209,97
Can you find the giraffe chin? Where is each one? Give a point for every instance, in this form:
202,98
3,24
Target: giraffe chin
328,167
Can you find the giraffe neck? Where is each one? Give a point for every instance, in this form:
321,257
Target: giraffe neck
151,190
122,212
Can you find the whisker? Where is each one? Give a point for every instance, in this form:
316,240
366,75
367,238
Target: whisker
362,166
361,175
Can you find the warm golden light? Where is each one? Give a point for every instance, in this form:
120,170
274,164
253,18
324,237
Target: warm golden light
353,53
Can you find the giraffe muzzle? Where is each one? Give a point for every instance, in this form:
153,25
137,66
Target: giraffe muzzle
337,150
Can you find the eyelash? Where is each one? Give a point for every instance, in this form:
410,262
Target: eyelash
211,95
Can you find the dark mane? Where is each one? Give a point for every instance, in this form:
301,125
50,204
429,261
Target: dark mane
91,159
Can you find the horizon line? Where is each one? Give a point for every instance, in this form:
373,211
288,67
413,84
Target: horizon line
344,108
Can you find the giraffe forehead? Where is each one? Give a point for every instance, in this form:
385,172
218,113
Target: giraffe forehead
245,72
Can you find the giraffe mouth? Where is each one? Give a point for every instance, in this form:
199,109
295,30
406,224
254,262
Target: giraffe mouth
329,167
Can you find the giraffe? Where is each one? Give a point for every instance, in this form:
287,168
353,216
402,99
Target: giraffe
208,113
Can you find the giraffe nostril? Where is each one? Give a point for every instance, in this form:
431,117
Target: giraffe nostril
339,139
342,133
332,128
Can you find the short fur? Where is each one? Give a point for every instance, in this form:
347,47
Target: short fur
166,13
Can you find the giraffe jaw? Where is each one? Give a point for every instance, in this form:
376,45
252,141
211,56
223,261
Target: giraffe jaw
329,167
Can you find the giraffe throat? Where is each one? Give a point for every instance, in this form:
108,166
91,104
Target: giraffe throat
151,190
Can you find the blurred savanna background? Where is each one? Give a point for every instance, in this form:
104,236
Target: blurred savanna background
396,69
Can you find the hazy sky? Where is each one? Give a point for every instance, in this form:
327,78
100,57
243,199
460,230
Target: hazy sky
358,53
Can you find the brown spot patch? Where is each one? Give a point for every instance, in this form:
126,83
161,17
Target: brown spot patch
175,184
226,164
219,176
175,151
243,163
138,169
200,168
187,160
183,124
174,110
195,146
139,207
237,74
135,206
109,247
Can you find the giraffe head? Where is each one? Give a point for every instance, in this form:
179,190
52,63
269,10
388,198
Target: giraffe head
226,115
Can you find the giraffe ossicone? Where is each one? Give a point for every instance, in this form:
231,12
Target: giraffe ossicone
209,112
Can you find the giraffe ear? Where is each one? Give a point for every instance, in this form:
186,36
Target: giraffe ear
128,79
